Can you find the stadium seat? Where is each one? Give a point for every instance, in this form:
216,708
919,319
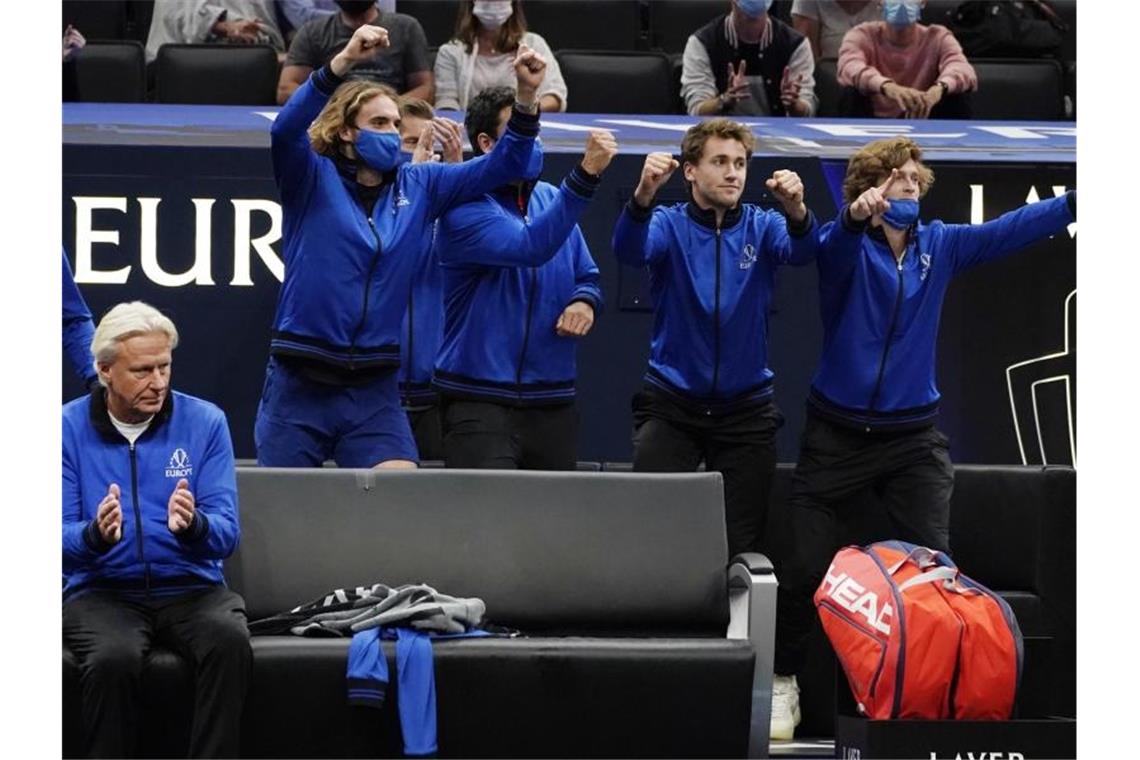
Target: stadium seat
139,15
591,26
617,81
106,20
1018,89
672,21
217,74
827,88
109,71
437,17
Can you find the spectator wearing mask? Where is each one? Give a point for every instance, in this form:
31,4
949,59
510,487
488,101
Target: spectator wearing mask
897,68
487,34
403,65
746,62
297,12
243,22
824,22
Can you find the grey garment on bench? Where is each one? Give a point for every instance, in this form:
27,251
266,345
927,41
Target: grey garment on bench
417,606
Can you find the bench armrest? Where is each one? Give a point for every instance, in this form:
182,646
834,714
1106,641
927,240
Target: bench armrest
752,615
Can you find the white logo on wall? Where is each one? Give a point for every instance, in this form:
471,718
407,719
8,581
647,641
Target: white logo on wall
179,465
1024,380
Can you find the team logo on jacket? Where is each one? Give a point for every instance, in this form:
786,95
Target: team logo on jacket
402,200
924,259
747,256
179,465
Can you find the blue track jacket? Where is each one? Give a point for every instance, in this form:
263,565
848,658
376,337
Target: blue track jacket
711,291
188,439
78,328
880,316
422,331
508,276
347,275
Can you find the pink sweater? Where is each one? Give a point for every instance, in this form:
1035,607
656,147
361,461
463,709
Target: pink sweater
867,59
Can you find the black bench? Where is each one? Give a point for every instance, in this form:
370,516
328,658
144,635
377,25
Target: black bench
634,643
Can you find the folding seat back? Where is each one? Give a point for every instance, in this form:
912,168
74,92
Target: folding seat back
618,81
217,74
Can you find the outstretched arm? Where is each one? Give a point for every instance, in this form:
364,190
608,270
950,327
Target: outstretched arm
973,244
483,233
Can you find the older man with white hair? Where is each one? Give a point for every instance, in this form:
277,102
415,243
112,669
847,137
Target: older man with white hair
149,513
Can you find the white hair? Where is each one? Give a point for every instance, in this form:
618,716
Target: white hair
126,320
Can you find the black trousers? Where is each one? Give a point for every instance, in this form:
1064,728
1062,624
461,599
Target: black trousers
110,635
741,445
855,105
483,435
910,472
427,429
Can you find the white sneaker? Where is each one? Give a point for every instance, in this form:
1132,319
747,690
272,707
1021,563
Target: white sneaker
785,708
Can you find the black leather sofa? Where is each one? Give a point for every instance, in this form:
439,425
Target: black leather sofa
635,637
619,582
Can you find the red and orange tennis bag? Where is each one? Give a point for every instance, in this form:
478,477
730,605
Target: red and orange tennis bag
916,637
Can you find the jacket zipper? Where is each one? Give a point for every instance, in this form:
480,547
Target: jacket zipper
367,288
716,320
526,332
138,518
887,342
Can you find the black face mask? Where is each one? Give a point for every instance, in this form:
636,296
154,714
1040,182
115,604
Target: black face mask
355,7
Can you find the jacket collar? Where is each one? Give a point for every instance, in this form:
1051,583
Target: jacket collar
515,196
707,217
877,234
346,168
101,417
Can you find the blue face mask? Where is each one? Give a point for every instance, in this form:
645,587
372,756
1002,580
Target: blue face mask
754,8
380,150
900,13
902,213
405,158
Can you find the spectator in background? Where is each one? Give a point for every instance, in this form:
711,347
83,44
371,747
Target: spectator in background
422,329
481,55
78,329
521,289
73,42
149,512
746,62
298,12
403,65
243,22
824,22
898,68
